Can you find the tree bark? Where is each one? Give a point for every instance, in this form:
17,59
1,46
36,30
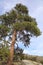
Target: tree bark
12,49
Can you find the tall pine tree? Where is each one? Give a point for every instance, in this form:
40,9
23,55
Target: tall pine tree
18,24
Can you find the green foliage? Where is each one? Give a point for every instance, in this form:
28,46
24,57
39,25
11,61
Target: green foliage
3,30
9,17
21,9
4,52
28,26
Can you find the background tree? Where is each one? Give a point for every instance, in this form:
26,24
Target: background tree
18,53
18,24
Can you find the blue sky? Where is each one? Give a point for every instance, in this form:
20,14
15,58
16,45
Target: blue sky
35,8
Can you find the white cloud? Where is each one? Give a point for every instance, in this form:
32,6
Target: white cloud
26,51
33,52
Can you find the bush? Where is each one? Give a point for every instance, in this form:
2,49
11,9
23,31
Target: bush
4,52
30,57
40,59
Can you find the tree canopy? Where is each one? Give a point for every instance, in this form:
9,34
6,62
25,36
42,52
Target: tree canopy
18,19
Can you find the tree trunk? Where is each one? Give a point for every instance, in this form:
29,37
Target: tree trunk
12,49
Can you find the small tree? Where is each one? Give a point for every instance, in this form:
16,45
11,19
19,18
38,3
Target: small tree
4,51
18,53
18,24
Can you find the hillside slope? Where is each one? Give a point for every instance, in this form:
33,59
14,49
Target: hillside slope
29,62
